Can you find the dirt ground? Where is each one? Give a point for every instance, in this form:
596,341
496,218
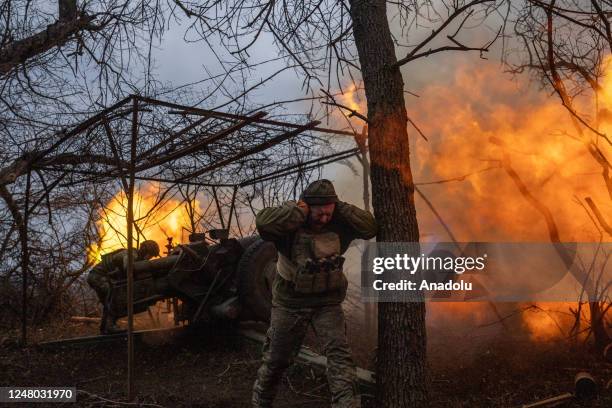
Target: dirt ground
215,367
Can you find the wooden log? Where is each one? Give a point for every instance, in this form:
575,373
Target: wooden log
550,401
84,319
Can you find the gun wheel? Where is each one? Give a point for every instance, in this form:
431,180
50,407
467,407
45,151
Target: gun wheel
256,272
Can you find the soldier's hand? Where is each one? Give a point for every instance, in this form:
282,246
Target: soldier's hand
304,207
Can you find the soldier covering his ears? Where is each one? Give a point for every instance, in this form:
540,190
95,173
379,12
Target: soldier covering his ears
310,235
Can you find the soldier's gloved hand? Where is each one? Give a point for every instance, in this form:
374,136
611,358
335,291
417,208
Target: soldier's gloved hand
302,205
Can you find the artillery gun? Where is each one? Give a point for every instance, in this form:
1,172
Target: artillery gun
227,279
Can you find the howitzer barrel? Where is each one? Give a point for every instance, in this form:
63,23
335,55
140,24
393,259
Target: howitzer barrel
156,266
194,251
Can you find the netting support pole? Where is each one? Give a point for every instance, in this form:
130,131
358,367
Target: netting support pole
25,261
130,248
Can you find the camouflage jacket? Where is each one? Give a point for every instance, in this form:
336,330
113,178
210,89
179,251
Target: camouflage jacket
279,225
112,263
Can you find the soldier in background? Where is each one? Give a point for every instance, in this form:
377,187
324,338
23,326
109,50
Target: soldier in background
114,264
310,235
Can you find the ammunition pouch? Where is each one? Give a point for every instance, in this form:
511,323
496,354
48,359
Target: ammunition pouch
314,265
319,276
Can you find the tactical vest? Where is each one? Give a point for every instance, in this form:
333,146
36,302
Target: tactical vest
315,265
112,263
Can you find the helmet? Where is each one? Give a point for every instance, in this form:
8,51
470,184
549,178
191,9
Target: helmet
148,247
319,192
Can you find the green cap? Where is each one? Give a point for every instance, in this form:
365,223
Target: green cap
320,192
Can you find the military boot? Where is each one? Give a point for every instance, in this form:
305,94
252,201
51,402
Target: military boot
108,324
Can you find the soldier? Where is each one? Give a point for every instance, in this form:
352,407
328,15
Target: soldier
310,236
113,264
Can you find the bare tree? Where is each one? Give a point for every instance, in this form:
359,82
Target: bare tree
565,46
332,42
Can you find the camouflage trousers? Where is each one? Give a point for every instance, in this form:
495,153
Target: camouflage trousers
99,282
284,338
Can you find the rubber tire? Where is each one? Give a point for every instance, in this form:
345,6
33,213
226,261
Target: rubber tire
256,271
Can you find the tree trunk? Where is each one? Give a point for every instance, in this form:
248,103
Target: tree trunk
401,358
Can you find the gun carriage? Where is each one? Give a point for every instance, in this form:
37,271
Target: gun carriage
227,279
